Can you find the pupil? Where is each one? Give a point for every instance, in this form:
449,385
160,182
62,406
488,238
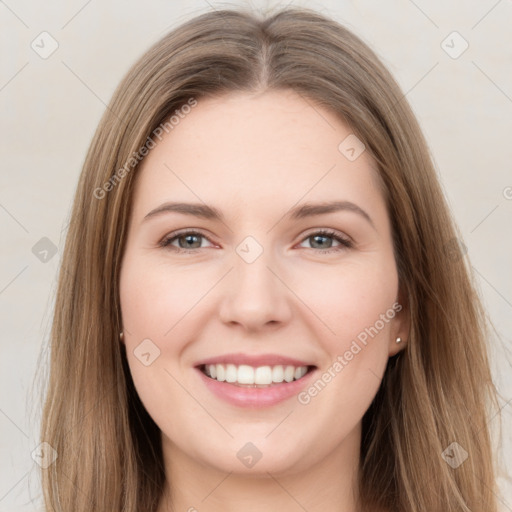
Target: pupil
316,238
189,239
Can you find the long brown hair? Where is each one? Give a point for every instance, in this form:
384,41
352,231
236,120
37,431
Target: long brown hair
436,392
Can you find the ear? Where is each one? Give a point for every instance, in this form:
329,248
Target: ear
401,324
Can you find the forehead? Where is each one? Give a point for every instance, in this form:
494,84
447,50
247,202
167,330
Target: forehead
245,149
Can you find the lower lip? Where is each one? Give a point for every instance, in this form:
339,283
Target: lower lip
256,397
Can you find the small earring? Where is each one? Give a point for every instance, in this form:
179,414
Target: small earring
399,340
121,336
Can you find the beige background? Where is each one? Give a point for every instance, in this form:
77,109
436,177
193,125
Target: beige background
50,109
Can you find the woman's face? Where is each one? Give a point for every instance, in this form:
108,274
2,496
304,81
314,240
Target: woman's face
259,240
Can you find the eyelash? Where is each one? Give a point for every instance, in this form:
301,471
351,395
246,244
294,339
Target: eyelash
345,243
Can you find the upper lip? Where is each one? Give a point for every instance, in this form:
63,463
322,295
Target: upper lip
254,360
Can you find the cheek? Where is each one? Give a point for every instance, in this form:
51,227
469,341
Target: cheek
349,298
357,303
160,306
341,303
156,298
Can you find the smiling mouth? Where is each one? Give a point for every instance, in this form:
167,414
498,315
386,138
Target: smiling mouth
255,377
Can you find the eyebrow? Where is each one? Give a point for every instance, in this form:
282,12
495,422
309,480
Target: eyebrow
305,210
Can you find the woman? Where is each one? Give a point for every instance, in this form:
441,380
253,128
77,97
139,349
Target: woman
262,302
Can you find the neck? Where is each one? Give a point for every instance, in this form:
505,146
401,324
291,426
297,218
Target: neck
329,485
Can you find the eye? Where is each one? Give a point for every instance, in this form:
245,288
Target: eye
186,240
323,240
190,241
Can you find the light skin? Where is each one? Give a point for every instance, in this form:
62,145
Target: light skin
254,158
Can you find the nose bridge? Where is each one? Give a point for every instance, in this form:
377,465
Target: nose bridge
253,296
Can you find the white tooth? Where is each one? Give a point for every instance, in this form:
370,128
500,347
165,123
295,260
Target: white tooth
248,375
300,372
277,374
221,372
289,373
263,375
231,373
245,374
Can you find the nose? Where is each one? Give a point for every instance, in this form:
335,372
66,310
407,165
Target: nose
254,297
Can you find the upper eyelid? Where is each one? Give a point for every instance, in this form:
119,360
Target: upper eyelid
176,234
